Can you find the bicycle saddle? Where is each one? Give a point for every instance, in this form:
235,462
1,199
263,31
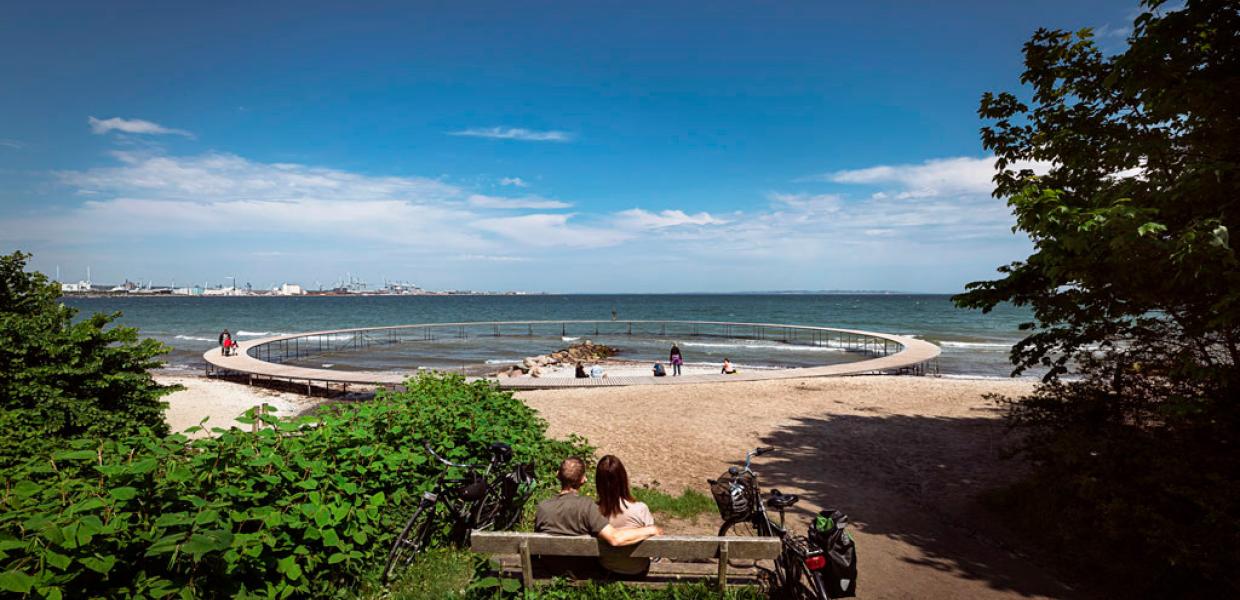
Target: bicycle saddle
780,500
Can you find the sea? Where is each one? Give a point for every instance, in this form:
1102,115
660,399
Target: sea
975,345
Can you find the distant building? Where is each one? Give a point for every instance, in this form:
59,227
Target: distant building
290,289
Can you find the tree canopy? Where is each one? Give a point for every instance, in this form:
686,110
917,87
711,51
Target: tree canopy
61,379
1124,171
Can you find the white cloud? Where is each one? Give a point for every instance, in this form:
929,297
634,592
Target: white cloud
138,126
514,181
496,258
515,133
932,178
14,144
533,202
552,230
640,219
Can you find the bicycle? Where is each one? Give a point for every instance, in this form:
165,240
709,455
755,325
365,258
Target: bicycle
798,570
491,500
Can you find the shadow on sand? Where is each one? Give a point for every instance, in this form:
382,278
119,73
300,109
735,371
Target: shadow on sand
914,480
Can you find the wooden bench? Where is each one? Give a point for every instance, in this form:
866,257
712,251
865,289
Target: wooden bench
671,547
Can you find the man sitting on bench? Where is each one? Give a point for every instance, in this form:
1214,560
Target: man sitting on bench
572,514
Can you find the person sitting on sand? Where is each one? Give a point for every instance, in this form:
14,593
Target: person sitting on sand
728,369
572,514
624,512
597,372
659,371
581,371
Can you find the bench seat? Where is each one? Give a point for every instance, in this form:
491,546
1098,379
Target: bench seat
681,549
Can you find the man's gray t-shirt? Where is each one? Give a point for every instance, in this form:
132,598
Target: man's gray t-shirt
569,514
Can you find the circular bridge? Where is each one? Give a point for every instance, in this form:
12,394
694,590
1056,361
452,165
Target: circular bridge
267,358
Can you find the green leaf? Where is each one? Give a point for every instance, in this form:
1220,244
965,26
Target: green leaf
336,558
510,586
100,564
76,455
330,538
1151,227
16,581
123,493
57,560
378,499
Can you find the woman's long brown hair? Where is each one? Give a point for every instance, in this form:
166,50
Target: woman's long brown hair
612,482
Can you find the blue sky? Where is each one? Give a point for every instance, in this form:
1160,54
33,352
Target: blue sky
594,147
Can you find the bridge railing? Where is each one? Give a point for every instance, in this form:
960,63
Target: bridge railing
304,345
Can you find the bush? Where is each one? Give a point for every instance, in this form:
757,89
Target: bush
61,380
300,508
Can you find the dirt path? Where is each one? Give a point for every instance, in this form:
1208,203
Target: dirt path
905,457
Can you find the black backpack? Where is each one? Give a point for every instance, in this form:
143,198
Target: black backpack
840,574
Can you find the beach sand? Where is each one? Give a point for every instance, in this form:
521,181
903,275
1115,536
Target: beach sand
221,402
905,457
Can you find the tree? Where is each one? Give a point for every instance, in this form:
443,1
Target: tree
1124,171
60,379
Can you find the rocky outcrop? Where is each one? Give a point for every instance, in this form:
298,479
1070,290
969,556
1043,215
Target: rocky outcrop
586,351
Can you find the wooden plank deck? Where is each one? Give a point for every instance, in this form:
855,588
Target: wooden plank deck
913,352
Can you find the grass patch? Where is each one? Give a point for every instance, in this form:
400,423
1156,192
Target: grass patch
439,573
690,504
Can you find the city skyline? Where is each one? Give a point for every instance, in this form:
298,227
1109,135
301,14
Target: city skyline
603,148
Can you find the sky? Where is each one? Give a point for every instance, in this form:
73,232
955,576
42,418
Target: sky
562,147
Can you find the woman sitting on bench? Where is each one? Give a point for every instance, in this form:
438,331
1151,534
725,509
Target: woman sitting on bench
623,511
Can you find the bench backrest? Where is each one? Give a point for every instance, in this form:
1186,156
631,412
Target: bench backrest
681,547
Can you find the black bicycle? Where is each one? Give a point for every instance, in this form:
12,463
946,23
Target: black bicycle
491,499
798,572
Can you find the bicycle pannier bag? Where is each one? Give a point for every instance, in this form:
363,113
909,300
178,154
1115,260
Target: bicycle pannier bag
827,532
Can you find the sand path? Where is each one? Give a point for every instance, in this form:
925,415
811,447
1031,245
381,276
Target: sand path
905,457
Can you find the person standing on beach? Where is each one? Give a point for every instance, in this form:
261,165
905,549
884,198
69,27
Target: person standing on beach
676,359
225,342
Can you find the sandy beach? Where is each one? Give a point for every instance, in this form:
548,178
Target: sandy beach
905,457
221,402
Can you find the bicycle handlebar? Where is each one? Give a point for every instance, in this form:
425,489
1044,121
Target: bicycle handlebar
446,461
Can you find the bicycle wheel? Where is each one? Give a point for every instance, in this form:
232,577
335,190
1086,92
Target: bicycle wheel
818,586
412,539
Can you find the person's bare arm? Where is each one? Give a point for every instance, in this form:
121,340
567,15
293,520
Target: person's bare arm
628,536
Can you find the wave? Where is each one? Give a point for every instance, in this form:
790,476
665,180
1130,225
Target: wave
975,345
258,333
502,361
195,338
566,338
786,347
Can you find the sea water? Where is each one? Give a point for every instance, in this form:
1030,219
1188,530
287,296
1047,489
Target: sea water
974,344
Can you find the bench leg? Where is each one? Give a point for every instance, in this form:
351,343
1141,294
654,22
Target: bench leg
527,566
723,566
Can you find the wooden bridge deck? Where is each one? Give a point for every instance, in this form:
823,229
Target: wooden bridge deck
913,353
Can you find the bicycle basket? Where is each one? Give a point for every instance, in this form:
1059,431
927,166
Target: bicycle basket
735,495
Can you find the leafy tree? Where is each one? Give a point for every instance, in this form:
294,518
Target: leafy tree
60,379
1124,170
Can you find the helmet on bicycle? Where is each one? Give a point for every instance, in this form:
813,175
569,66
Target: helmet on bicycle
501,452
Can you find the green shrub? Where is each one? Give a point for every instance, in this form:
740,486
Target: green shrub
300,508
62,380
